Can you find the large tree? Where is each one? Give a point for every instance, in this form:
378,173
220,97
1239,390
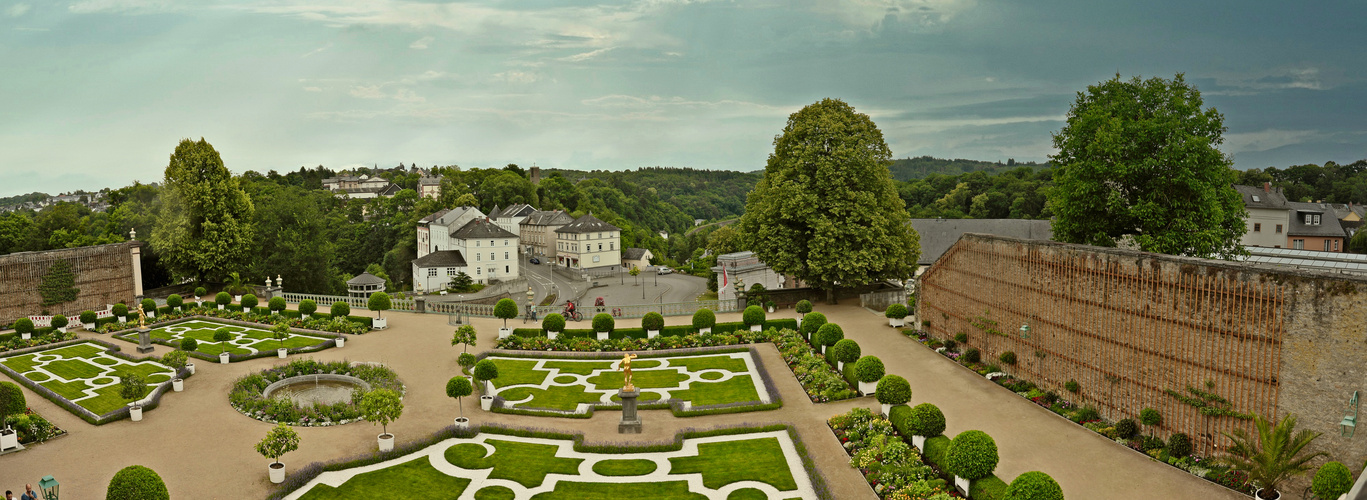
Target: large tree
206,229
826,210
1138,159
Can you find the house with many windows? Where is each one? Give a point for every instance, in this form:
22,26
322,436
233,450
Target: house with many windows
537,232
589,244
1314,226
1275,222
1267,216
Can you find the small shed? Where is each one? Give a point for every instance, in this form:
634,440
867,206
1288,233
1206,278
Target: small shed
364,286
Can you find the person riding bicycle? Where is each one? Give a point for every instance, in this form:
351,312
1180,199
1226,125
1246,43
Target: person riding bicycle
569,307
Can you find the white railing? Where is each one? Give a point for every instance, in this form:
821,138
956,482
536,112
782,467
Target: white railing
324,301
487,310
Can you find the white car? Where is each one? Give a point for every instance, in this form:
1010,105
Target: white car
664,270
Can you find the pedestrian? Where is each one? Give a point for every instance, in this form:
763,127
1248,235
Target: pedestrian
9,495
29,494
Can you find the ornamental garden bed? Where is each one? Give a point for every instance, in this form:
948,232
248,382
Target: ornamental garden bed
352,325
84,377
764,463
247,341
33,428
691,384
247,395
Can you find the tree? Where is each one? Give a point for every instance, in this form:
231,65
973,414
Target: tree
281,332
1275,455
486,370
382,406
205,227
379,302
464,336
280,440
132,388
826,210
1138,159
223,335
136,482
11,401
505,309
461,282
459,387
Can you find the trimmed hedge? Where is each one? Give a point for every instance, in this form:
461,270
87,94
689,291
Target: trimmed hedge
1333,479
704,318
753,315
971,455
637,333
868,369
603,322
893,390
812,322
925,419
136,482
1033,485
846,351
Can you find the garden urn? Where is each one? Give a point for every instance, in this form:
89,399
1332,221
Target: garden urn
277,472
223,358
504,333
282,352
486,402
771,309
135,412
462,422
386,442
1259,494
177,384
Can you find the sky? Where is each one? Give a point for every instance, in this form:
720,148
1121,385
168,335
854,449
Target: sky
96,93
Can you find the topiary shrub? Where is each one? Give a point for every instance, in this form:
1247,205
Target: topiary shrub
175,301
603,322
505,309
189,345
893,390
971,455
1126,428
485,370
951,345
249,302
803,307
1008,357
1072,386
223,299
1150,417
973,355
553,322
652,321
753,315
1086,414
1033,485
341,309
845,351
149,305
200,292
88,316
136,482
307,306
812,322
961,338
12,400
1179,445
59,321
24,325
120,310
466,360
896,311
868,369
379,302
1333,479
828,335
926,420
276,304
704,318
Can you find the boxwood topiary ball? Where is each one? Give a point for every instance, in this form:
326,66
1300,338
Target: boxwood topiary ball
811,322
868,369
753,315
926,420
1333,479
136,482
1033,485
896,311
554,322
652,321
704,318
893,390
829,334
603,322
1126,428
971,455
1008,357
845,350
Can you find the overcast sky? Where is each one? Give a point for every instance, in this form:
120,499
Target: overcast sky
96,93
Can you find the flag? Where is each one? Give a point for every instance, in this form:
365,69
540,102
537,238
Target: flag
723,277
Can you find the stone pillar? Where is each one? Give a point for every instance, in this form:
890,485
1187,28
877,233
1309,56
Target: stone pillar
631,422
144,340
420,304
136,251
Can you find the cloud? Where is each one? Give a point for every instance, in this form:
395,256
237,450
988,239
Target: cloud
1264,140
368,92
421,43
317,50
584,56
104,6
18,9
516,77
405,95
313,89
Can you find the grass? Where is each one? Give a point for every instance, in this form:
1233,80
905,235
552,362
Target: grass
695,364
84,350
565,398
81,365
495,493
649,375
636,467
727,462
739,388
517,372
524,463
413,480
645,379
203,331
668,490
578,367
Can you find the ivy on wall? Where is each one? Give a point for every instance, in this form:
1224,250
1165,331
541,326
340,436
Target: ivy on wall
59,284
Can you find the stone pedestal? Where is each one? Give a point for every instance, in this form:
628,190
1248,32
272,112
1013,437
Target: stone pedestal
144,341
631,422
420,304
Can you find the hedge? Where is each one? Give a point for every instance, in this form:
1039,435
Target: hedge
1333,479
668,331
153,399
971,455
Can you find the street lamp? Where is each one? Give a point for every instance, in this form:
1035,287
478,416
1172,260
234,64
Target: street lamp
531,296
1025,331
48,486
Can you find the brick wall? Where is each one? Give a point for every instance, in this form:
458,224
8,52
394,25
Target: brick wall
103,273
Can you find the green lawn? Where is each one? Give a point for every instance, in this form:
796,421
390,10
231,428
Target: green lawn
80,367
740,388
518,372
579,367
642,379
727,462
727,363
668,490
636,467
524,463
412,480
556,398
517,376
203,331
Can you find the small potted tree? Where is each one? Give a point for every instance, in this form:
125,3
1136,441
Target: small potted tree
1332,481
59,322
382,406
603,324
811,322
1151,419
222,336
485,372
897,314
340,310
465,337
223,299
11,403
121,312
189,345
923,422
175,302
803,307
25,328
704,320
652,323
280,440
1034,485
235,286
249,303
828,335
753,318
1277,453
307,307
892,390
505,310
132,388
457,388
971,455
867,372
149,306
845,351
88,320
200,292
176,359
281,332
554,323
379,302
276,304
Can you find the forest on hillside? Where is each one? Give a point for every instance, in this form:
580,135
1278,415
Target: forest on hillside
907,169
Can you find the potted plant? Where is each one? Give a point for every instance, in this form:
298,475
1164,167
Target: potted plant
175,302
149,306
1151,419
249,303
603,324
892,390
753,317
652,323
136,482
554,323
485,372
1277,453
923,422
379,302
845,351
465,337
828,335
132,388
281,332
223,299
276,304
189,345
200,292
280,440
704,320
505,310
459,387
176,359
803,307
11,403
382,406
340,310
897,314
235,286
307,307
59,322
25,328
1332,481
868,370
121,312
1033,485
340,340
811,322
222,336
466,361
971,455
88,320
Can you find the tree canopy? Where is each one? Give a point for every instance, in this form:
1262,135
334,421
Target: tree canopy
205,227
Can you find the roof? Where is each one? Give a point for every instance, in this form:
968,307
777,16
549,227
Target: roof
481,228
548,218
389,190
429,181
1341,210
937,235
1262,197
514,210
435,215
634,253
587,224
1327,228
452,215
366,279
441,258
1306,259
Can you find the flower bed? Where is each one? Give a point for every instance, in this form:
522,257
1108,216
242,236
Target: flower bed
246,395
33,428
42,336
893,468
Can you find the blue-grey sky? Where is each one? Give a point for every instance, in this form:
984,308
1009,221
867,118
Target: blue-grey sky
96,93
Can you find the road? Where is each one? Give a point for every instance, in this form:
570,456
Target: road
648,288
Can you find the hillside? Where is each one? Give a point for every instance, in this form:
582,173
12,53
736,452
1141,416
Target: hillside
907,169
702,194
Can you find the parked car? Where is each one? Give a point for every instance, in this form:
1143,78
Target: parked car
536,260
664,270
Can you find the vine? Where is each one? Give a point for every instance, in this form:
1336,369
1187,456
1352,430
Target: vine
986,325
1208,403
59,284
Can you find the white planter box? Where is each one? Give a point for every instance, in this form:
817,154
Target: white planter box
771,310
177,384
962,484
124,319
887,408
799,324
304,316
237,299
8,441
380,323
26,335
282,352
190,367
919,442
552,335
756,328
135,413
62,329
504,333
220,307
650,334
603,335
705,330
868,387
895,322
223,358
277,471
840,367
462,422
386,442
341,341
486,402
151,314
88,326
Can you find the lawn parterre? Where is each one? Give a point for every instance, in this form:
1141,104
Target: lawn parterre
85,374
759,465
246,340
246,395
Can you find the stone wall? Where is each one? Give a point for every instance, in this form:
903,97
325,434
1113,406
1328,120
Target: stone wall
1130,326
104,274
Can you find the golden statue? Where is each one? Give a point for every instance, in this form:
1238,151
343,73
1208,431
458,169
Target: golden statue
142,317
626,369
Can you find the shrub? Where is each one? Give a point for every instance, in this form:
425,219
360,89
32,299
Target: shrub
753,315
136,482
505,309
973,355
340,309
868,369
652,321
951,345
971,455
11,400
248,302
200,291
486,370
846,351
280,440
1179,445
1008,357
1033,485
803,307
120,309
307,306
1072,386
23,325
893,390
829,334
603,322
88,316
189,345
379,302
1333,479
457,388
466,360
382,406
222,335
1126,428
704,318
926,420
223,299
961,338
1150,417
1086,414
1152,443
59,321
896,311
811,323
175,301
175,359
553,322
276,304
149,305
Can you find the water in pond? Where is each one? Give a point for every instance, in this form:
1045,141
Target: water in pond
323,391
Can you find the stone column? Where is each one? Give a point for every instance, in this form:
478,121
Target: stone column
135,250
631,422
420,304
144,340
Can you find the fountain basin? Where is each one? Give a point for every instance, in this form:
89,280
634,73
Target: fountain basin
325,388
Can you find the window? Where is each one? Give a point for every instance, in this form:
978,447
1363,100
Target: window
1326,245
505,255
1256,199
505,269
1336,245
491,242
1257,227
450,271
1298,244
505,243
491,256
1317,219
477,257
432,272
476,243
595,258
477,270
1279,230
612,245
600,247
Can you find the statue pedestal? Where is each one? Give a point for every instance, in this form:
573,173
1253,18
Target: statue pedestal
144,341
631,422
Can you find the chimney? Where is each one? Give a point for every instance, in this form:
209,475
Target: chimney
1267,187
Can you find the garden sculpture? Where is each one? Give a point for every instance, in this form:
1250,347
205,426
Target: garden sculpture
626,372
142,318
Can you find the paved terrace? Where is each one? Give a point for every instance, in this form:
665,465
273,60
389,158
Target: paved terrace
204,449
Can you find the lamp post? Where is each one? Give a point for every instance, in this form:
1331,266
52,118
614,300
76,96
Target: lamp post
531,304
1025,331
1350,422
48,487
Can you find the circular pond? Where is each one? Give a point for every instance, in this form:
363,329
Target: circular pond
306,390
310,393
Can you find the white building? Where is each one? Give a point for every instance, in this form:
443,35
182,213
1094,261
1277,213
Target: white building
748,269
510,218
589,243
1267,216
433,271
480,248
636,257
434,231
537,231
429,187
